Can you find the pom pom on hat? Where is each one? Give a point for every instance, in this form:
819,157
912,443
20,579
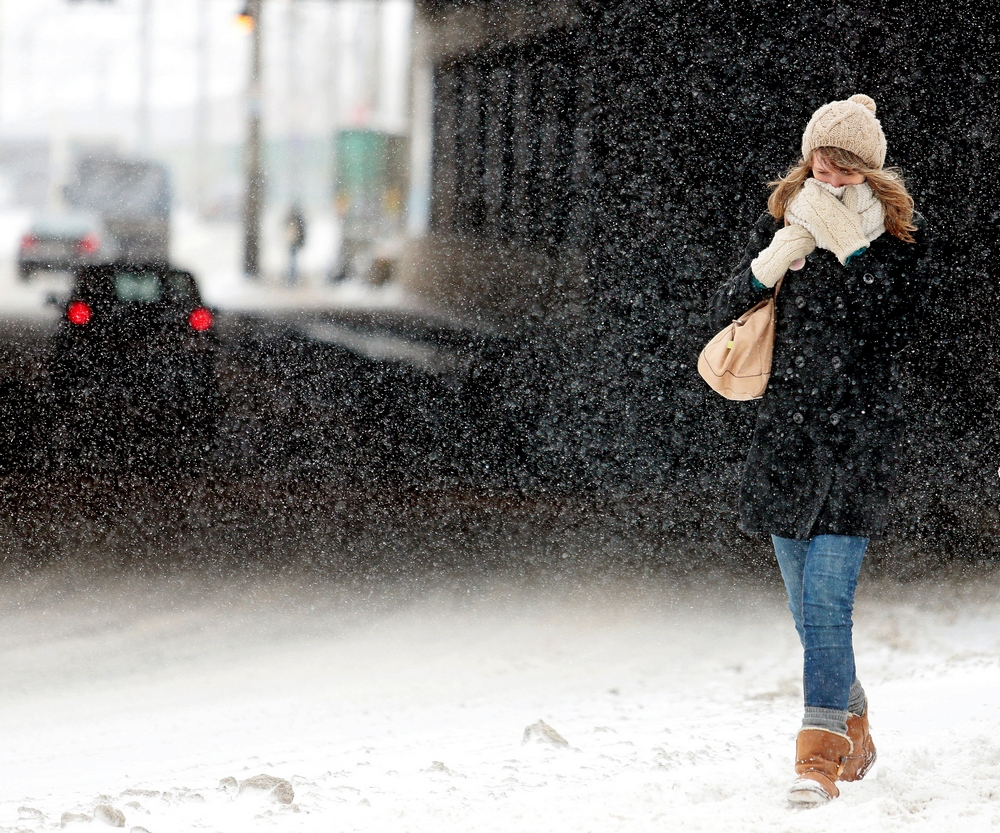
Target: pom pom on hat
864,101
850,125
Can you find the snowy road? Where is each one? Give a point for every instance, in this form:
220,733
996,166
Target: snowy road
405,708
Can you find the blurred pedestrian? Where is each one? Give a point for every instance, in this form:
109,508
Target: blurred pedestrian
295,234
842,237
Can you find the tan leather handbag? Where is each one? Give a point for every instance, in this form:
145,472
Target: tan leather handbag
737,362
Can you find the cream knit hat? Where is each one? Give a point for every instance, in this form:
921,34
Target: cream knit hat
850,125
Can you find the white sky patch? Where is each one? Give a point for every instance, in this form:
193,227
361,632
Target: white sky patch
75,66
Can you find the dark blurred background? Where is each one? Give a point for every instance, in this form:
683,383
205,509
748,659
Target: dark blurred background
498,365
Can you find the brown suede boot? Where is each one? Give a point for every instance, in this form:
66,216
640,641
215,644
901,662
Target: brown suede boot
819,759
857,764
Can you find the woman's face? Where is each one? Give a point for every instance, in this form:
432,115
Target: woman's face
825,172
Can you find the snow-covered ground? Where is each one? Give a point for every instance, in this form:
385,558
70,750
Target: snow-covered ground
148,701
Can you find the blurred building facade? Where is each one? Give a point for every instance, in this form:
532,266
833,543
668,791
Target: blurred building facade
500,160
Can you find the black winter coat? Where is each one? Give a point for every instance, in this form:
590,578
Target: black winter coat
825,442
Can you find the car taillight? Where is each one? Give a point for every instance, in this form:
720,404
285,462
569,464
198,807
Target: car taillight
88,244
78,313
200,319
29,241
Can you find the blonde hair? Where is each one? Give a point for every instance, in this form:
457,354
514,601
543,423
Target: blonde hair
886,183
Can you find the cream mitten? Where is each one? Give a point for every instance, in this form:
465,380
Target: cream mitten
788,245
832,224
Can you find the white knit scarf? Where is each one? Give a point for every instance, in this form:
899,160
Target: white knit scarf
862,200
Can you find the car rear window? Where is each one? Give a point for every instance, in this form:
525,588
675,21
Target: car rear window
68,226
137,286
180,286
144,287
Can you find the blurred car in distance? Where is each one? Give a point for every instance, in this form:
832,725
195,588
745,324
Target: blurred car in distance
133,367
62,242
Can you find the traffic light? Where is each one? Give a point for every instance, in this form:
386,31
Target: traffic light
247,18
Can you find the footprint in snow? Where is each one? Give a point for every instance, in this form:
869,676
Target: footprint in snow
277,790
542,733
109,815
31,815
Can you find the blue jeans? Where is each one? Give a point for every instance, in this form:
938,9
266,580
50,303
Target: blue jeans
820,576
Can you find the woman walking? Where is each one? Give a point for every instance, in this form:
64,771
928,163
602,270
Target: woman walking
842,240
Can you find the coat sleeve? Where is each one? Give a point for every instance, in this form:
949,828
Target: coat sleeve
910,293
892,302
740,292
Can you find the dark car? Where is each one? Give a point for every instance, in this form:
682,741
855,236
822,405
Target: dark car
134,368
62,242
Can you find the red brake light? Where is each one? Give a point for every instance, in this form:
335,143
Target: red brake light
200,319
29,241
89,244
78,313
